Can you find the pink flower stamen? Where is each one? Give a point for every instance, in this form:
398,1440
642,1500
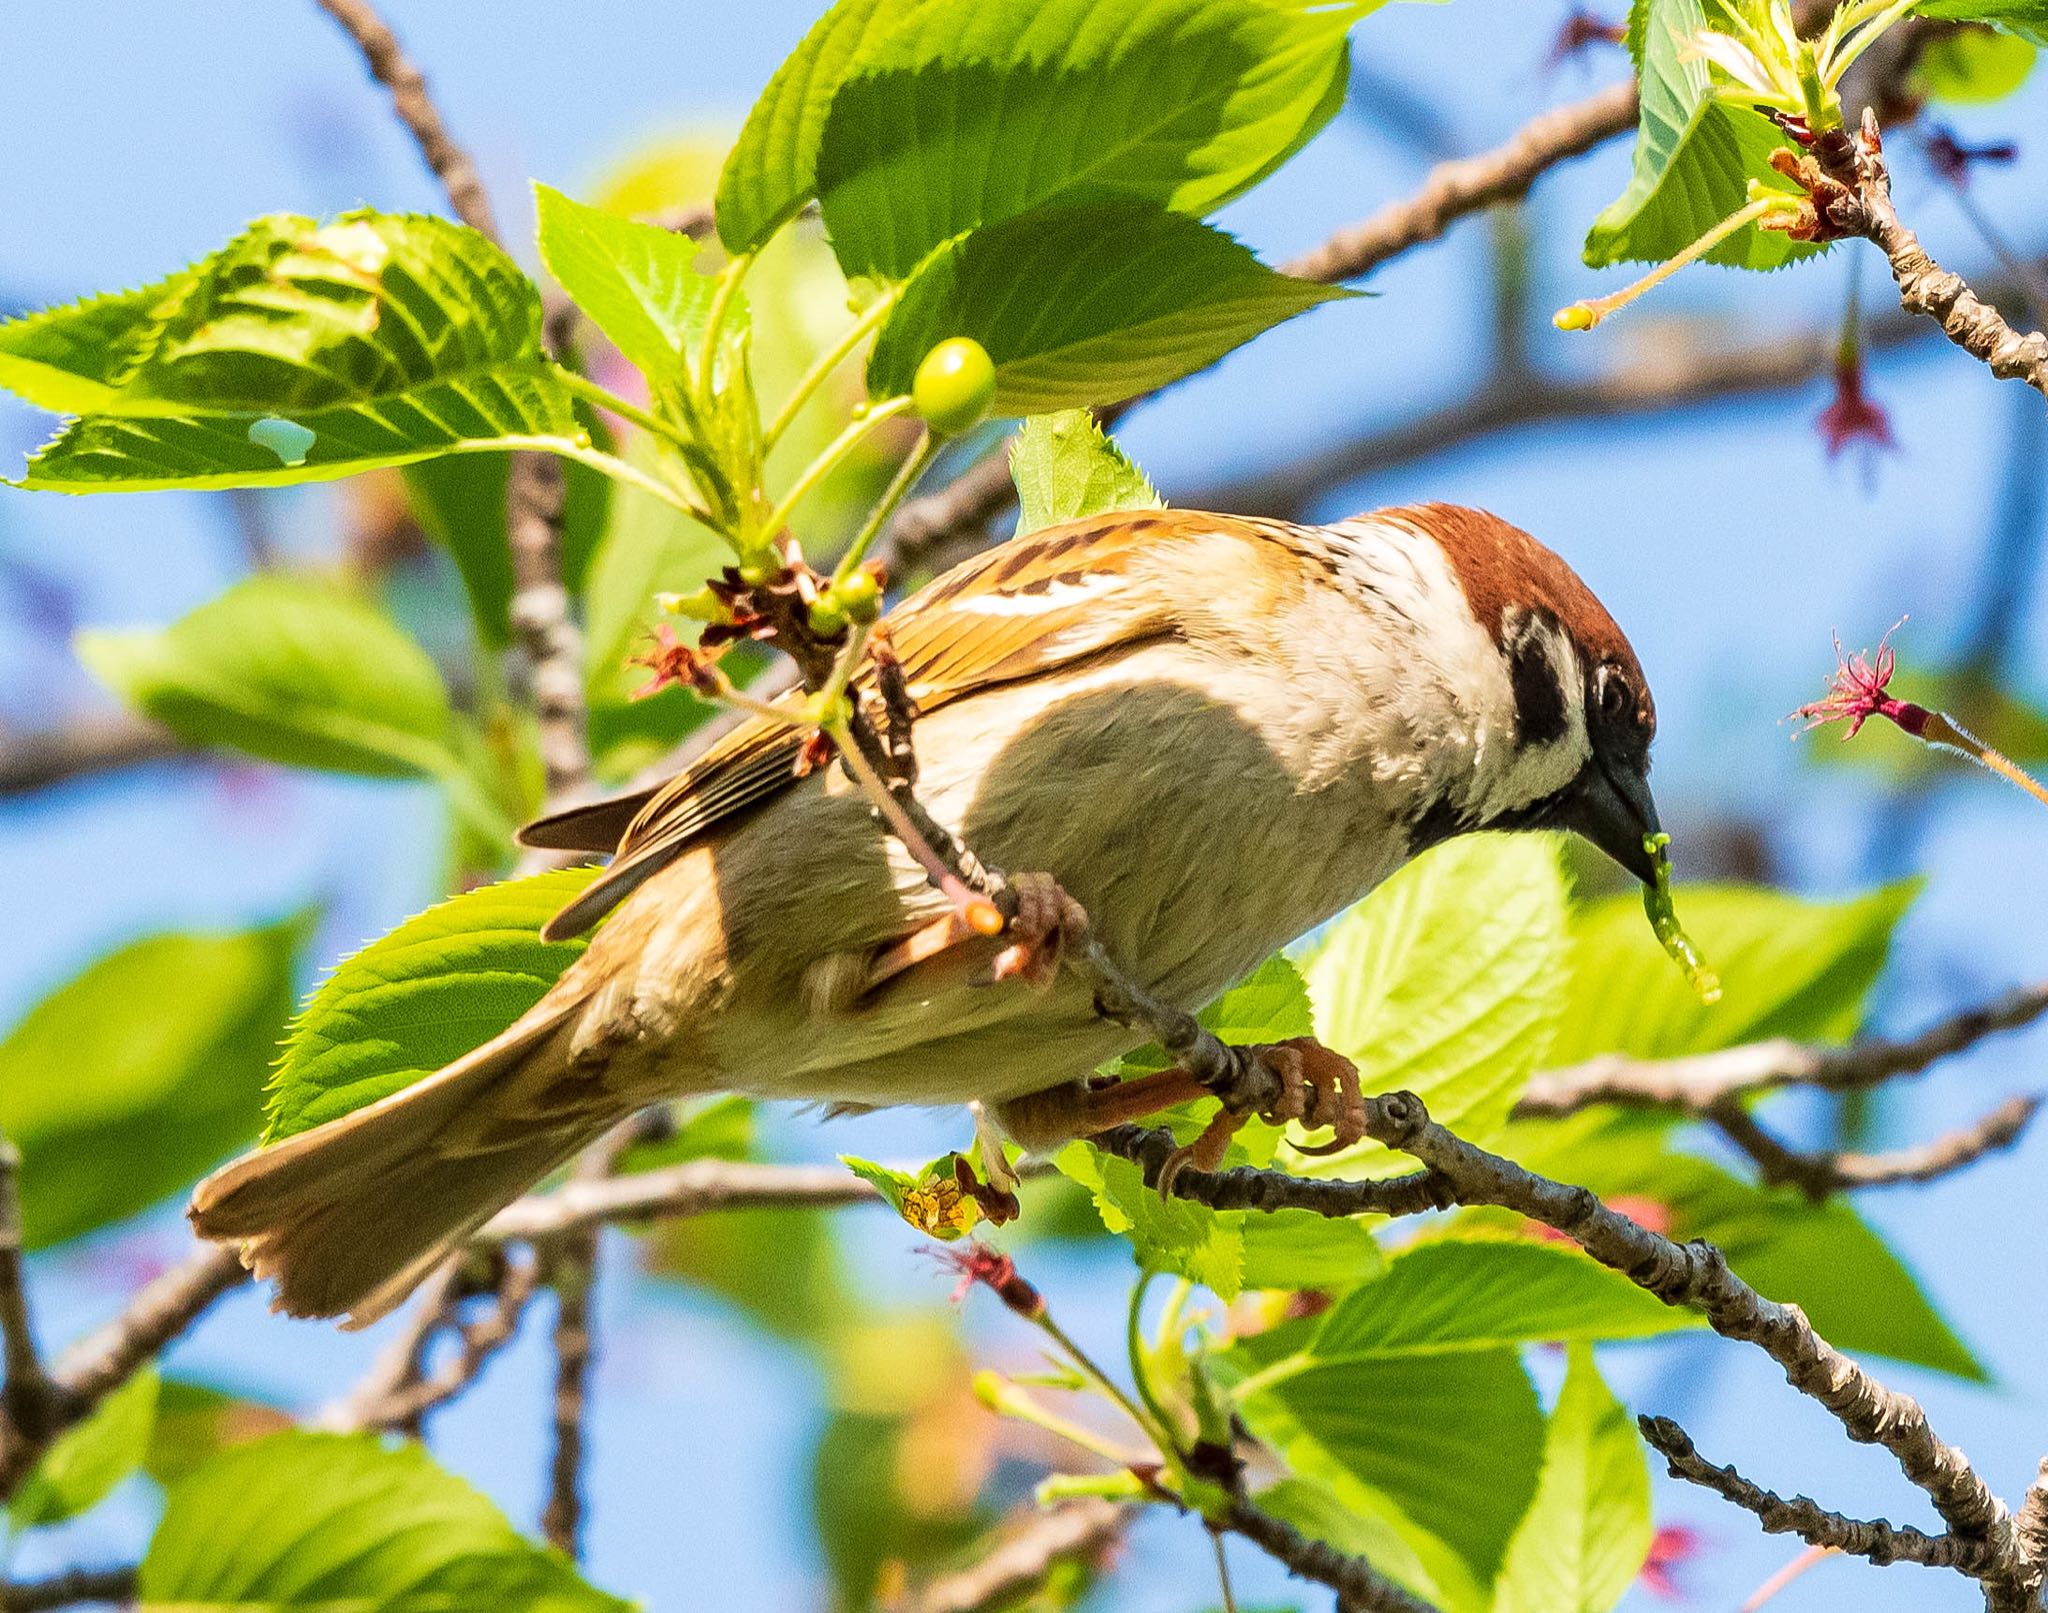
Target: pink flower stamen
1860,691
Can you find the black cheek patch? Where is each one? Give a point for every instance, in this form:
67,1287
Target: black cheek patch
1540,714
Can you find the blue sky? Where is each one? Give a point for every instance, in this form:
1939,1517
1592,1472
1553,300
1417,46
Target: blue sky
136,136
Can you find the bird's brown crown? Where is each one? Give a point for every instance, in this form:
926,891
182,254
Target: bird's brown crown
1505,573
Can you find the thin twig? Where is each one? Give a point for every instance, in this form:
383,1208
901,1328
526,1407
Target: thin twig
405,1403
1085,1530
101,1362
98,743
1700,1082
1875,1539
68,1589
401,1366
1359,1586
540,613
1924,286
676,1190
30,1403
1826,1171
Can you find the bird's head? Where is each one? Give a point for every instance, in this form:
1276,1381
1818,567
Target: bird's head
1579,707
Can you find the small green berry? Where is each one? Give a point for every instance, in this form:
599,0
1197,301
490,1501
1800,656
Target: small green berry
859,596
955,386
827,615
755,573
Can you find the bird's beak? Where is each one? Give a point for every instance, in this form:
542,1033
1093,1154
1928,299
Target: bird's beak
1613,809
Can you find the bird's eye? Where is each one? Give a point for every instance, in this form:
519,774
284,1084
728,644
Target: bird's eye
1617,696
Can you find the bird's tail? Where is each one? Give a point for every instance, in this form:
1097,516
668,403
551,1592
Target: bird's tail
351,1216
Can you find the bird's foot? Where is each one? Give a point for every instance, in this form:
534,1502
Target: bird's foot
1318,1087
1046,921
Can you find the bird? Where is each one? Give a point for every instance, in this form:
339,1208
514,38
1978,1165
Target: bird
1206,733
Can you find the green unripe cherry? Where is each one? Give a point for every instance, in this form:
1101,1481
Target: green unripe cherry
827,615
955,386
859,595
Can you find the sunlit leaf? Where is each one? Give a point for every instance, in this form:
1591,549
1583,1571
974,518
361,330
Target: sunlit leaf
637,282
1087,303
423,995
1066,466
1788,967
974,111
331,1521
89,1458
1588,1530
195,1422
1973,67
1695,154
2027,18
1447,981
125,1083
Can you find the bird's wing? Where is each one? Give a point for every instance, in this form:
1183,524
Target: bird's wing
1057,596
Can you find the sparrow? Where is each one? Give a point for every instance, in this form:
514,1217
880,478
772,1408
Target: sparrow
1211,732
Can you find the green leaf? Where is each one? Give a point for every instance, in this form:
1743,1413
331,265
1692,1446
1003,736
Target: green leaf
332,1521
195,1422
1824,1257
295,353
292,670
1587,1534
635,281
90,1458
969,112
1354,1519
441,984
2027,18
649,547
124,1084
1446,1448
1973,67
892,1184
1788,967
1695,155
1066,466
772,169
1217,1249
1087,303
1454,1294
1447,981
1296,1249
1167,1235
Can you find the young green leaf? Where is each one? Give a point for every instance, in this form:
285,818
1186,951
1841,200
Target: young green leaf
125,1083
1359,1522
1296,1249
1446,1448
1973,66
291,670
1447,981
635,281
303,1521
195,1422
772,169
442,983
968,112
1695,154
1166,1235
1449,1294
1824,1258
299,351
90,1458
1087,303
2027,18
1588,1531
1066,466
1788,966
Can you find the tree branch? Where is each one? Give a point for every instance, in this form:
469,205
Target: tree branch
1697,1275
29,1401
1924,286
1360,1587
1876,1540
1700,1082
547,633
67,1589
1084,1529
97,743
103,1361
1826,1171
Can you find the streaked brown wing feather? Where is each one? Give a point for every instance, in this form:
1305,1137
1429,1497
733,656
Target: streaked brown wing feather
1034,603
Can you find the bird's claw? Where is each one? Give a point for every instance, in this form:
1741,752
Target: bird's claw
1046,920
1318,1087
